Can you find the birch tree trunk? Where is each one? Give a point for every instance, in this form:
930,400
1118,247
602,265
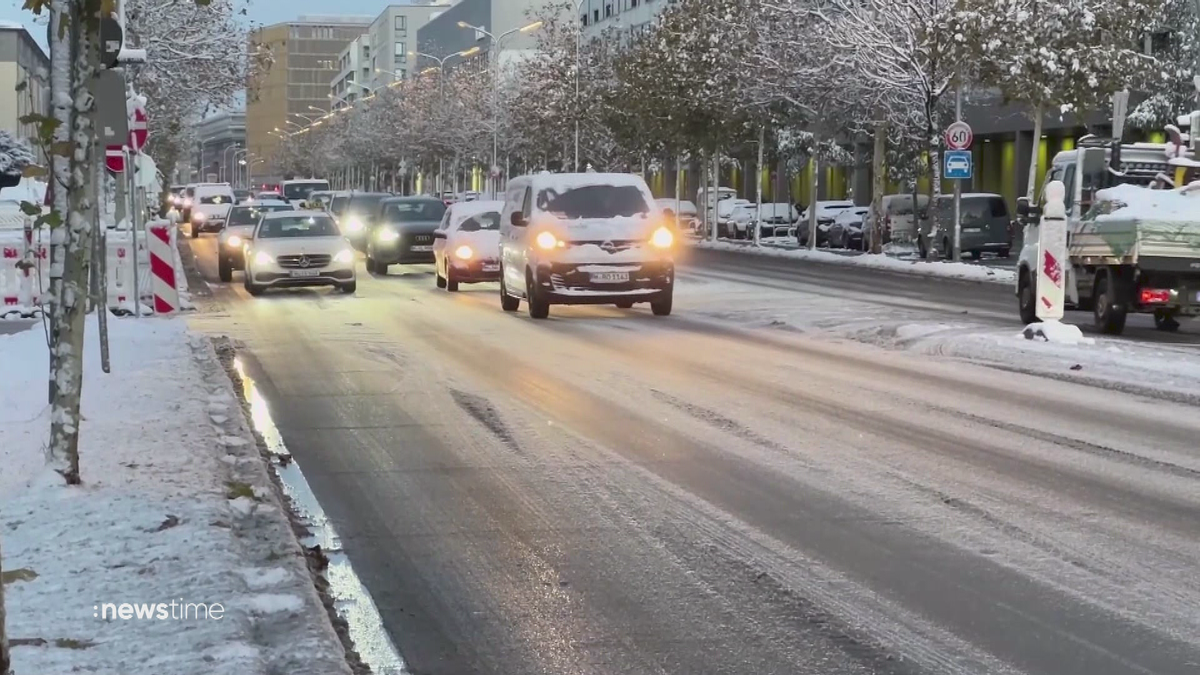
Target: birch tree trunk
812,199
1033,155
73,62
878,185
757,222
5,657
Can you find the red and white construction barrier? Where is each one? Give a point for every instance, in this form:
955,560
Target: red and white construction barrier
162,268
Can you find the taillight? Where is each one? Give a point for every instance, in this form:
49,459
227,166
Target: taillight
1155,296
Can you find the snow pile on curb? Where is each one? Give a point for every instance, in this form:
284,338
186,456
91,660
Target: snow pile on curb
1057,332
946,270
177,507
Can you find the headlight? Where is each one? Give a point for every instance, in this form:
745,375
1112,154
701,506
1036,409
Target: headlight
199,215
662,238
233,241
354,225
465,252
387,234
548,241
187,203
344,256
263,258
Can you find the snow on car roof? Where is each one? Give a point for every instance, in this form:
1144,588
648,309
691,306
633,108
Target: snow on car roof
259,203
468,209
567,181
273,215
1142,203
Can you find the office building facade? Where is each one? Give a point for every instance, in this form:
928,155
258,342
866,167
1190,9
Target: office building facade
22,64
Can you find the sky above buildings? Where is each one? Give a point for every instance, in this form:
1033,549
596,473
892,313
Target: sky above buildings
257,12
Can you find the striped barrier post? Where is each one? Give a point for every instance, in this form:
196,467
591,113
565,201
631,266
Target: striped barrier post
162,269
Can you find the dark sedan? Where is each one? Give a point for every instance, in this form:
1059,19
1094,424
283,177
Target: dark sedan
403,232
356,216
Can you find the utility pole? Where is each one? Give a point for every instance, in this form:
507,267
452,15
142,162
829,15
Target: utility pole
958,184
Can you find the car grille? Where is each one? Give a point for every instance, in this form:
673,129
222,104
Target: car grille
315,260
420,239
610,245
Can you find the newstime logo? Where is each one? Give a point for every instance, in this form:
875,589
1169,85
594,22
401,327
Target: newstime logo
176,610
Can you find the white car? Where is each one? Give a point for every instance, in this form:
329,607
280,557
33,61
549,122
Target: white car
584,239
683,213
231,243
298,248
728,224
826,212
297,191
210,208
466,246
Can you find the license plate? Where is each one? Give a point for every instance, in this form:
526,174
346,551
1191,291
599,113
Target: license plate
972,230
490,268
421,249
305,273
610,277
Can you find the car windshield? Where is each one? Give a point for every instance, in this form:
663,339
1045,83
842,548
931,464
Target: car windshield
422,210
216,199
978,209
303,190
337,205
364,204
242,215
481,222
593,201
297,226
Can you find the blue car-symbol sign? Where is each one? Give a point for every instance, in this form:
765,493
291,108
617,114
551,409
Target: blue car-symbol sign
958,165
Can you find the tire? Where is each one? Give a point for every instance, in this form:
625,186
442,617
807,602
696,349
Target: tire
946,251
1005,253
224,269
349,288
1108,313
922,250
451,284
1027,300
539,307
439,280
370,264
251,287
507,302
193,231
662,306
1165,321
624,304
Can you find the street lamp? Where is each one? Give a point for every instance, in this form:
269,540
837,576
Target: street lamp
286,122
304,117
225,160
244,152
493,60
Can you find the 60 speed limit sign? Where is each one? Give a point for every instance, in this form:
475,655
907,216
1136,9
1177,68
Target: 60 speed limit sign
959,136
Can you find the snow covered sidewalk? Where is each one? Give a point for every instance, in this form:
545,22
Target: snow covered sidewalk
947,270
176,508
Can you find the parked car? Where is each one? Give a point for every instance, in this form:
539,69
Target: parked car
826,212
401,232
901,221
847,229
466,245
210,208
241,196
231,243
775,219
986,226
686,218
298,248
584,238
357,216
726,223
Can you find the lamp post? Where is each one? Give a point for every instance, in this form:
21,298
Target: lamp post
304,117
239,162
578,67
225,161
493,58
441,68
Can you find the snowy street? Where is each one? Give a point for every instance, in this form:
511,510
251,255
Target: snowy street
806,469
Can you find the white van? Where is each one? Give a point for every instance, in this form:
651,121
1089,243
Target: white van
584,239
210,208
296,192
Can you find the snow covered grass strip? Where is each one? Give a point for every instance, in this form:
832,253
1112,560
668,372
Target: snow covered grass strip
945,270
176,506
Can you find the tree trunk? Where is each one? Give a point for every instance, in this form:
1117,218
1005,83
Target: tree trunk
878,186
812,199
5,657
935,192
756,223
71,71
715,192
1031,188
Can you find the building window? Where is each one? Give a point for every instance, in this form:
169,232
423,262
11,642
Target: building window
401,23
583,19
403,73
596,16
401,54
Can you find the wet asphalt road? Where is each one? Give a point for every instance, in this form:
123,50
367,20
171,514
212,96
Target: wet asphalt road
609,492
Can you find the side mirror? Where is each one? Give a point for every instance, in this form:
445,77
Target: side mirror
439,234
517,219
1023,206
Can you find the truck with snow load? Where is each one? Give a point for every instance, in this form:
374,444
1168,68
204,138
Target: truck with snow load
1133,236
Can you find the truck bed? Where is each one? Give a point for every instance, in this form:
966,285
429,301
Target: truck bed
1126,241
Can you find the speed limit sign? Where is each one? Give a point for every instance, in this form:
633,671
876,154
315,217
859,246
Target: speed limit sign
959,136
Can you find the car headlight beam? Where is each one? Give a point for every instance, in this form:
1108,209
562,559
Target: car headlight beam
263,258
464,252
233,241
388,234
344,256
547,241
662,238
354,225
